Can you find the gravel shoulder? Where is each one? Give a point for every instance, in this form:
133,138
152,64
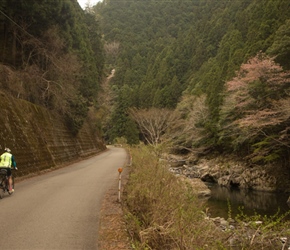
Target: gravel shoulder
113,234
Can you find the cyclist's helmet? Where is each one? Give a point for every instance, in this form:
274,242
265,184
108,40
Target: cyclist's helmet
7,150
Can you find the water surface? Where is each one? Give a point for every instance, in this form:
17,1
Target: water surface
250,202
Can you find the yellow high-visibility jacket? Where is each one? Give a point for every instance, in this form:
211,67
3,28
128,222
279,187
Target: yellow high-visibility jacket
7,160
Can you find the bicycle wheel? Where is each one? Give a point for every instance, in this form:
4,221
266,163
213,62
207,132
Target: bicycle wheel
1,193
2,188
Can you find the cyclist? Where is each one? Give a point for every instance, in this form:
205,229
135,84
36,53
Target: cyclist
7,161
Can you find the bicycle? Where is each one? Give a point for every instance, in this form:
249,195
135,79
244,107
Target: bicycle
4,183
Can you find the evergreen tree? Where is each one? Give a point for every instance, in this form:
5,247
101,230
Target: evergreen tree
172,48
56,51
121,124
281,45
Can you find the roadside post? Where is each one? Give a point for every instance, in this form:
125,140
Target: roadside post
130,161
119,191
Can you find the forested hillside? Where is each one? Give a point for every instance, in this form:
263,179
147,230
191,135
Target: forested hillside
220,66
217,72
51,55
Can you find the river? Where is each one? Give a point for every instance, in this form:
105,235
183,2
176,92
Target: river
250,202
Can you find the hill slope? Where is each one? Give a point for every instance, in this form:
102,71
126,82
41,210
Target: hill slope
183,55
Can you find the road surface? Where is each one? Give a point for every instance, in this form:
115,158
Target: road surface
60,209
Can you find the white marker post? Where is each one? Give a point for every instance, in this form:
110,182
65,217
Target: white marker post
119,193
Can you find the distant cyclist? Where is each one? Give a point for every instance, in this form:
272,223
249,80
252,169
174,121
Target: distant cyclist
7,161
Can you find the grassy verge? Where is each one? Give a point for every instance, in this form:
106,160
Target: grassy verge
163,212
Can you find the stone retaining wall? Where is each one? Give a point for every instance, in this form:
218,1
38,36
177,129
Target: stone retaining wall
39,139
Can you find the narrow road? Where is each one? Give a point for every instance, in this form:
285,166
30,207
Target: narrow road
60,209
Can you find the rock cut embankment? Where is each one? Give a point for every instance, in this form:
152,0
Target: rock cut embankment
39,139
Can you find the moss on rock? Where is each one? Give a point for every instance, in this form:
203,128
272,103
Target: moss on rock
40,139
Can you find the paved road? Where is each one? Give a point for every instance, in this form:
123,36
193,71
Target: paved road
60,209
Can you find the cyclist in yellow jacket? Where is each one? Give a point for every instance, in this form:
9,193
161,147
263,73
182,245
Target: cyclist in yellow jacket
7,161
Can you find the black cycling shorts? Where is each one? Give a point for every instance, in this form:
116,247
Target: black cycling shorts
8,171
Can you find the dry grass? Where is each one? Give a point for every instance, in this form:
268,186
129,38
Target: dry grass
163,211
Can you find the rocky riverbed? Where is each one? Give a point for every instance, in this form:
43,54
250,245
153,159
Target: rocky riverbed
229,173
232,173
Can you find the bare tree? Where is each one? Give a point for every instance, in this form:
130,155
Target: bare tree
46,77
112,50
152,122
191,114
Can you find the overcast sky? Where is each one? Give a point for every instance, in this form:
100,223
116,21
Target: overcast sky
83,3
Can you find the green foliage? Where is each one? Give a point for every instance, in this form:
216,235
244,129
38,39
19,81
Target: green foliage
75,118
255,112
281,45
143,37
263,151
57,55
267,231
172,48
121,125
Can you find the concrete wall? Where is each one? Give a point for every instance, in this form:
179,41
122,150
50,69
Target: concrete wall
39,139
